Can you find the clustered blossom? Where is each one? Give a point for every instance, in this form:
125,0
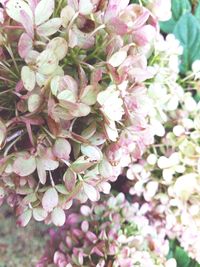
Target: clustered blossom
72,93
164,92
168,175
112,232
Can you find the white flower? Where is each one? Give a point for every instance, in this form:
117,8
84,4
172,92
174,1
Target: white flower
178,130
196,69
186,185
171,263
111,103
161,9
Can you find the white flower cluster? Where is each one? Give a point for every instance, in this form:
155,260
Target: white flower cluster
169,178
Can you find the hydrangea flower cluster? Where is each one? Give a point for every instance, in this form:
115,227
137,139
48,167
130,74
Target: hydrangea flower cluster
110,233
71,100
168,176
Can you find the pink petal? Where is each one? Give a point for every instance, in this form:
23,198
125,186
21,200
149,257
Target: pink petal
25,45
27,22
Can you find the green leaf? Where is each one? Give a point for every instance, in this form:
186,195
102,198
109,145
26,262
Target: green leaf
197,12
179,7
187,31
182,258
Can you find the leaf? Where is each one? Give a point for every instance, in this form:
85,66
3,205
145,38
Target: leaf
197,12
39,214
187,31
69,178
178,9
50,199
24,166
62,149
58,216
28,78
43,11
181,257
24,218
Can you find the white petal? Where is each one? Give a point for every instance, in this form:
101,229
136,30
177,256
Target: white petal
92,152
50,199
85,7
66,15
91,192
59,46
47,62
164,162
58,216
28,78
111,131
13,8
50,27
117,58
43,11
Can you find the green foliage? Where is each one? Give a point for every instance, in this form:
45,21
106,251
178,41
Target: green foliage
182,258
187,31
197,12
179,8
186,27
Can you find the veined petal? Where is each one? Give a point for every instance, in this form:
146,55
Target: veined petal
118,58
91,192
67,95
28,78
47,62
50,199
59,46
14,8
44,11
92,152
85,7
25,45
111,131
49,27
27,22
58,216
